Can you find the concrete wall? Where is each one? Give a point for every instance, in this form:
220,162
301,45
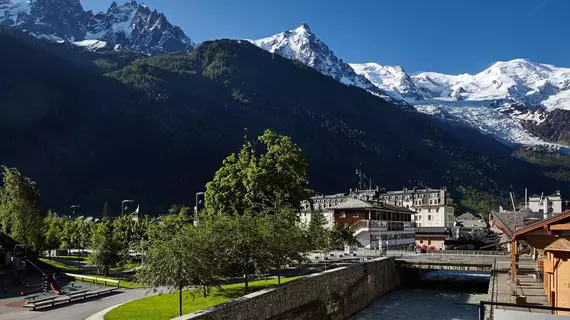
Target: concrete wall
334,294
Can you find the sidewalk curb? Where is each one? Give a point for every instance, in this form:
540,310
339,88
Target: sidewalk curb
101,314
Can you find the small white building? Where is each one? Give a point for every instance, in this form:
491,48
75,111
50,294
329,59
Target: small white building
547,205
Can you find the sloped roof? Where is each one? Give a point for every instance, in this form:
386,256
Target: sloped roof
561,244
354,203
512,221
469,216
565,216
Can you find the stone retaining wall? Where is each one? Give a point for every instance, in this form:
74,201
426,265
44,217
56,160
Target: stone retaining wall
335,294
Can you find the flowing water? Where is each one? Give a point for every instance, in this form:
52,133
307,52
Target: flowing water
429,300
408,304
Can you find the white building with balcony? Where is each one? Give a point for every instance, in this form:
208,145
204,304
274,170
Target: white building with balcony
431,207
375,224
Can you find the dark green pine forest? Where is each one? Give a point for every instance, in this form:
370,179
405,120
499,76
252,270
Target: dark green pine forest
90,128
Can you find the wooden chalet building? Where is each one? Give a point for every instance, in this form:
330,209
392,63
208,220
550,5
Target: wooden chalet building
550,239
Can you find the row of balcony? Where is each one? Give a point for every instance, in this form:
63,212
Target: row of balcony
389,225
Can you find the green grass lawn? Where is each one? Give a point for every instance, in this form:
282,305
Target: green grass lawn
85,259
70,269
127,266
165,306
60,266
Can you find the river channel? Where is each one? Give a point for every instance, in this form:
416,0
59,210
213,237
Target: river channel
432,298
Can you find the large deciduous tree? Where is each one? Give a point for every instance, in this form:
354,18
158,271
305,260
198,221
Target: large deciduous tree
271,173
19,213
106,248
54,230
283,241
189,258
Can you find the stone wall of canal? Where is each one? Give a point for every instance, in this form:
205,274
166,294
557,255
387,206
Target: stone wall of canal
334,294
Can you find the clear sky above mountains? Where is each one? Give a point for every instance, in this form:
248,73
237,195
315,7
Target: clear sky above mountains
448,36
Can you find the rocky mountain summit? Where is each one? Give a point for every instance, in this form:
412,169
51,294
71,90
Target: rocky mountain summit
132,26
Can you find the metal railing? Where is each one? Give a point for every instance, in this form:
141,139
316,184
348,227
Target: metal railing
473,252
428,258
489,314
93,279
369,224
482,305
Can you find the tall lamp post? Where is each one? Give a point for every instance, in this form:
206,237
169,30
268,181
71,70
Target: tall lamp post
73,207
199,205
123,205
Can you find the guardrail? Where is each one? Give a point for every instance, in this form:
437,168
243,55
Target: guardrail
482,305
472,252
94,279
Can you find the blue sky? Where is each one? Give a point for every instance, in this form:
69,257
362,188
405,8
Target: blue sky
449,36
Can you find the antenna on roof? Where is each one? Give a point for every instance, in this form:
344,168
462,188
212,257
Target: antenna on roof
359,174
513,202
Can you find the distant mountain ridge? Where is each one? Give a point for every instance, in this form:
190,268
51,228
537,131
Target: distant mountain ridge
131,26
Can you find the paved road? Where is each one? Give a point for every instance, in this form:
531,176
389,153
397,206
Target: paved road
78,311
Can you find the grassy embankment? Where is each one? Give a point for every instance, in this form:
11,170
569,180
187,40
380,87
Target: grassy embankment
165,306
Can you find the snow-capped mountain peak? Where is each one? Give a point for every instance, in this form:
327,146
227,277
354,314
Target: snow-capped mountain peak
131,25
303,45
304,28
510,99
392,79
519,80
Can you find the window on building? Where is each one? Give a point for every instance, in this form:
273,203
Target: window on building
421,241
429,217
429,242
342,215
355,215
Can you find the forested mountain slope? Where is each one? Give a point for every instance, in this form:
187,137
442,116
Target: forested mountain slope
157,129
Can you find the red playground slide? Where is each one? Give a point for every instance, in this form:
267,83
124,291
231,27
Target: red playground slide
53,285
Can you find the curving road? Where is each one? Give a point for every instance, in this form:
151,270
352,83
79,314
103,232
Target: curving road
77,311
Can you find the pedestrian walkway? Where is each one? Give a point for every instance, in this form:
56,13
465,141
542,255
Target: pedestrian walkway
529,286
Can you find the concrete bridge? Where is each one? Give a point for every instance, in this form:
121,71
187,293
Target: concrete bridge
449,262
445,265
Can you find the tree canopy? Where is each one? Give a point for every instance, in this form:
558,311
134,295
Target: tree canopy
263,176
19,214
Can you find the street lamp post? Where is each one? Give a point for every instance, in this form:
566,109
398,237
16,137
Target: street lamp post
123,205
73,207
